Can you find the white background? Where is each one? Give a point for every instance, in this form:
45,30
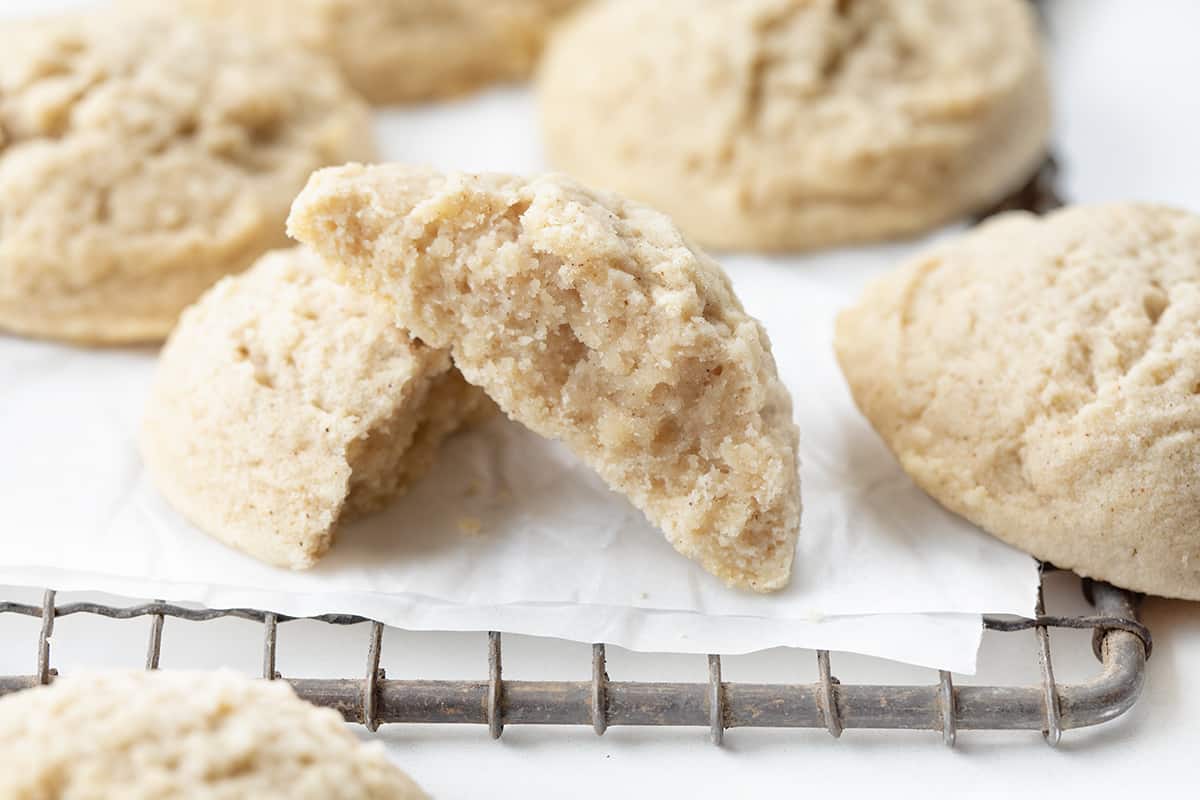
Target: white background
1128,118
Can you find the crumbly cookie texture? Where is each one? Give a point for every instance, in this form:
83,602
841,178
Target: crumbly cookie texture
798,124
149,735
142,157
284,402
396,51
1041,377
591,320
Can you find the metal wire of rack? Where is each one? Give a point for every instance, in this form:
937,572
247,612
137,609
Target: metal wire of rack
1120,642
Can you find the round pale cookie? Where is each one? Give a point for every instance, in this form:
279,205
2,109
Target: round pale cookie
285,402
590,320
142,157
397,51
184,735
795,124
1041,377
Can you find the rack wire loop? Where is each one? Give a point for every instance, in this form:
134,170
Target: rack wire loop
370,694
44,673
1052,729
716,701
948,708
829,706
270,635
1100,625
154,648
599,690
495,687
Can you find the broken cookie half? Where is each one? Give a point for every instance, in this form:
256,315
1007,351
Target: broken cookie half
591,320
284,402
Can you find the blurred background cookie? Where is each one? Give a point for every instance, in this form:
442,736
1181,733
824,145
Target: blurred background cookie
788,125
396,51
142,157
152,734
1041,377
284,402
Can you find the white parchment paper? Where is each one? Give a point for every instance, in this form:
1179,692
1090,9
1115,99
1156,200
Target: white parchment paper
880,569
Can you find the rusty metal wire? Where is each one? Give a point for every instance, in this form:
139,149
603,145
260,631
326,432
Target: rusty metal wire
372,700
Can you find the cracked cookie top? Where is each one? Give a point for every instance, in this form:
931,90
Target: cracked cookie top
1041,377
142,157
790,124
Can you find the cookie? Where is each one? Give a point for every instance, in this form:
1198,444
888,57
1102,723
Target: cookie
398,51
590,320
284,402
797,124
211,735
1041,377
142,157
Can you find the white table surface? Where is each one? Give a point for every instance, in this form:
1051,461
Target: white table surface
1128,127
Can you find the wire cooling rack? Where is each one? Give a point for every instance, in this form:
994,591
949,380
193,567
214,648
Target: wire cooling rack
1120,642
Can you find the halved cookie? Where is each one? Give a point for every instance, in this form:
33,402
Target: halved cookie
284,402
1041,377
591,320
